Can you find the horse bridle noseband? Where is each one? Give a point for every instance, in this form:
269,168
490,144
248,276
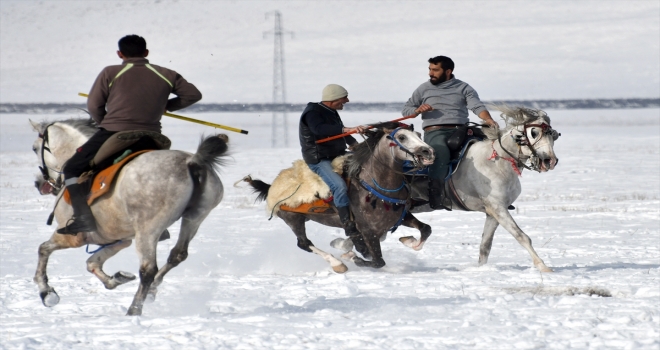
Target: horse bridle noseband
403,148
546,130
55,183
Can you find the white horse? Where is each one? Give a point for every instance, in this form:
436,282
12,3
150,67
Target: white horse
150,193
486,179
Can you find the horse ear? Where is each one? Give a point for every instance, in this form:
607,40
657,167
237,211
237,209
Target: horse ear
38,127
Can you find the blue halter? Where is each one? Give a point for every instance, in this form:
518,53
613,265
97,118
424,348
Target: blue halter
384,198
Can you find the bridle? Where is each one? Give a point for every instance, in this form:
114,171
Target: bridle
523,140
55,183
394,142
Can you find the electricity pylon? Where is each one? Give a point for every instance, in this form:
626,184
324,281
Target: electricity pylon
279,88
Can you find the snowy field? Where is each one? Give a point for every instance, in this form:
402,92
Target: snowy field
594,219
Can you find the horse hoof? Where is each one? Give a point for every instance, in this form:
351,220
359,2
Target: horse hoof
546,269
345,245
151,295
408,241
50,298
134,311
340,268
348,255
359,261
123,277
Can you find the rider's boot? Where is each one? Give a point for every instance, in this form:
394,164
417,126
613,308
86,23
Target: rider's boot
82,219
351,231
437,198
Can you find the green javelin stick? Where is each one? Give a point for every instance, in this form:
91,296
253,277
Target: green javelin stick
193,120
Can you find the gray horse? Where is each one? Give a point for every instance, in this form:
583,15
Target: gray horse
486,179
377,191
151,192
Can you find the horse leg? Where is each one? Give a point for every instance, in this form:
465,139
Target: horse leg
373,243
178,254
487,239
146,249
504,218
96,261
409,241
56,242
297,224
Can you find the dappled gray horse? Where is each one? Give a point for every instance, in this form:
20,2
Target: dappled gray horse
150,193
486,179
377,191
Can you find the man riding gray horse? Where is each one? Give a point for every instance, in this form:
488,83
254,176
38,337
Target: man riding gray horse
443,102
126,97
321,120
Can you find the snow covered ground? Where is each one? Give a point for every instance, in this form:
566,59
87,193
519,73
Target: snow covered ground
595,219
505,49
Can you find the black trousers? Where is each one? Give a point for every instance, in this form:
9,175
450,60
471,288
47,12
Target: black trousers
79,163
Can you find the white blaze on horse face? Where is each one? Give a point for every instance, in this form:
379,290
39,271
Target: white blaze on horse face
413,143
543,144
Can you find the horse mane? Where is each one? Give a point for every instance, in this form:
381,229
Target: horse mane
514,116
86,127
363,151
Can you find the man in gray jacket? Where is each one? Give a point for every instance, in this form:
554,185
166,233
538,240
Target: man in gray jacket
130,96
443,102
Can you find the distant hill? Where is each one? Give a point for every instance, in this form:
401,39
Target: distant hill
54,108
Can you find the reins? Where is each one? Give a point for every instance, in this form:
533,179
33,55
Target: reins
55,183
547,130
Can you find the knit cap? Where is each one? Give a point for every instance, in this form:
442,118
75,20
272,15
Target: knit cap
333,92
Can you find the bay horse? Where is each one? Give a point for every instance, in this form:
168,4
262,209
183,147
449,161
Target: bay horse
378,193
150,193
486,179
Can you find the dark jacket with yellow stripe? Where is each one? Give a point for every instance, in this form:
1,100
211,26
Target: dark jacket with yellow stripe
134,95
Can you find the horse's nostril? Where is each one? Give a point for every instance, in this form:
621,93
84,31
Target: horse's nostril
556,161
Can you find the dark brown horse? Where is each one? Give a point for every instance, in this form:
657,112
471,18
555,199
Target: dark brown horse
378,193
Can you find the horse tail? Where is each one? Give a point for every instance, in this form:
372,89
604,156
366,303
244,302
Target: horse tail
209,157
210,152
259,187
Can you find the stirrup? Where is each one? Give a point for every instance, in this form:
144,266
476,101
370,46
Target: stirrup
80,224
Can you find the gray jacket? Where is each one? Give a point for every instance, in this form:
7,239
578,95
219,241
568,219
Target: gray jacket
450,101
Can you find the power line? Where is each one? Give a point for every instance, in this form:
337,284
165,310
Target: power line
279,123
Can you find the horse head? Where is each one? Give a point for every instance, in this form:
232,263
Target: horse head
391,143
531,131
55,144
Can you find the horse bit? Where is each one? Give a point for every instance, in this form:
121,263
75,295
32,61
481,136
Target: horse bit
523,140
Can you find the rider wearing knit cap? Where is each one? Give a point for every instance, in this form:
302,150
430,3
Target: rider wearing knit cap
318,121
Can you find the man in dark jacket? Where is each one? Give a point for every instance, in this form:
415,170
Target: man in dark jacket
321,120
130,96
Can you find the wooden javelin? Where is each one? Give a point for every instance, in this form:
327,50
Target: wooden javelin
245,132
353,132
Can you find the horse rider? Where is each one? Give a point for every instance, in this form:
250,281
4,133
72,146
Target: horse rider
130,96
443,102
321,120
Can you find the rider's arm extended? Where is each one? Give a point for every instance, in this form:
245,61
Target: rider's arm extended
98,96
477,107
186,94
413,103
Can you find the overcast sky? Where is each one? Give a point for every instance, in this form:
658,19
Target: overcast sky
51,50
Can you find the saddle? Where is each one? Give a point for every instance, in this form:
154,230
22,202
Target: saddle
113,155
458,144
298,189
